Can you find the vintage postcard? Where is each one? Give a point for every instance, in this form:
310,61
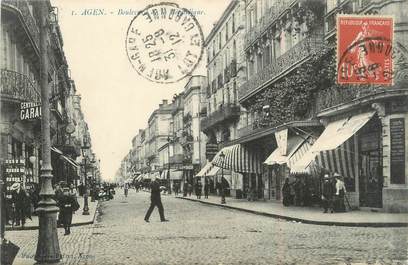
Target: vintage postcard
204,132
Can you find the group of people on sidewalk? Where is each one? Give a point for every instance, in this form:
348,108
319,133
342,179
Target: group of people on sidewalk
189,188
332,195
20,205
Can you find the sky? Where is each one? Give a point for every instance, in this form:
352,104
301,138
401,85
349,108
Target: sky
116,100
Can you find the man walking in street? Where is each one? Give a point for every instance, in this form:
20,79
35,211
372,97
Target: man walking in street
327,194
155,200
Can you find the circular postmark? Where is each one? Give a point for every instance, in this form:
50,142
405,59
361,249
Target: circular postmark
164,43
368,60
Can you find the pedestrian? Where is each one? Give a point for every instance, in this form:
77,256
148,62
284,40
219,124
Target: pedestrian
206,188
340,193
286,193
327,194
58,193
190,189
176,189
20,201
155,200
198,189
185,189
126,188
68,204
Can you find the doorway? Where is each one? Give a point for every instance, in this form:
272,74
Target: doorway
370,164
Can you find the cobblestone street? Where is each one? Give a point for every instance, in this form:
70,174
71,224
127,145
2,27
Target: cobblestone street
200,234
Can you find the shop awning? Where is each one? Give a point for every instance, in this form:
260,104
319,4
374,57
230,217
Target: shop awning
70,161
205,170
277,158
338,132
238,158
56,150
176,174
334,149
213,171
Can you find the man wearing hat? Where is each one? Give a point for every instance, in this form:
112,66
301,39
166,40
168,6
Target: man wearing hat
155,200
327,193
20,201
340,192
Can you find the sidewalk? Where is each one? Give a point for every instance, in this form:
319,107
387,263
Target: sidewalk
309,215
77,218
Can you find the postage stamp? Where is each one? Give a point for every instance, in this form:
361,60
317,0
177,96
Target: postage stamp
164,43
364,49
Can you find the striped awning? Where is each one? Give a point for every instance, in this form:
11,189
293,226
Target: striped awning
238,158
203,172
340,160
278,158
214,170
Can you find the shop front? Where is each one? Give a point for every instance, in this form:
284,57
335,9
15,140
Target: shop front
244,165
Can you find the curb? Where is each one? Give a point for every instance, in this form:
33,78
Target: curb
72,225
304,221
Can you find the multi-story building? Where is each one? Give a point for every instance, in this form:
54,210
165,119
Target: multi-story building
225,74
192,138
20,94
293,102
158,127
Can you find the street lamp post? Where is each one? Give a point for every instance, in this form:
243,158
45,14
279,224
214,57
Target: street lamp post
222,179
168,164
48,250
85,210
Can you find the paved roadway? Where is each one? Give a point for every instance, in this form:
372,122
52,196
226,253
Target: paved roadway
201,234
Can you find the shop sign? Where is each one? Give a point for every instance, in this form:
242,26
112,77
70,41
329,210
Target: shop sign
30,110
282,141
188,167
397,134
14,171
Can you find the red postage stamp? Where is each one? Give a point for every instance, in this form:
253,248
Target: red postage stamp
364,49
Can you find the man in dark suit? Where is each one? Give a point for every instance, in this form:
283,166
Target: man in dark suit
327,194
155,200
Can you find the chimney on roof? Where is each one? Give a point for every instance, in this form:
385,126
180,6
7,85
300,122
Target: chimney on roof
165,101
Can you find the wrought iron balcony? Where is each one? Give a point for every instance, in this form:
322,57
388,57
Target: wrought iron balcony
70,145
336,96
290,59
22,7
18,87
224,113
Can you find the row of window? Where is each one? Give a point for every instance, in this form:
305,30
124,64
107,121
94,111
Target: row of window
14,58
223,97
275,47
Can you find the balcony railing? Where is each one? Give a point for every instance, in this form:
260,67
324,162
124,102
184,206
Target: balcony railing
226,112
23,7
298,53
332,97
16,86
